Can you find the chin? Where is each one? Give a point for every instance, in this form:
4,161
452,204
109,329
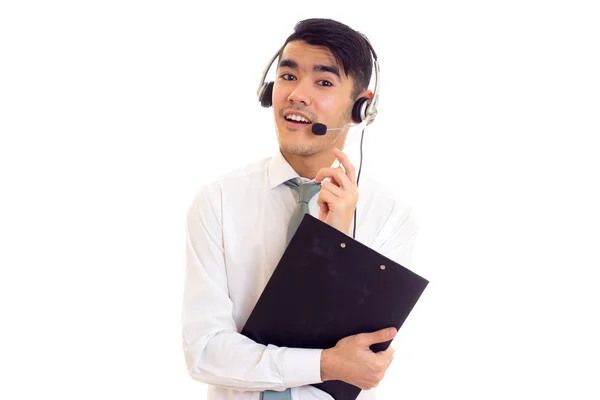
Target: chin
298,149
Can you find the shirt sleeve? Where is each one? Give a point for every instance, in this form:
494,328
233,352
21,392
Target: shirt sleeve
215,353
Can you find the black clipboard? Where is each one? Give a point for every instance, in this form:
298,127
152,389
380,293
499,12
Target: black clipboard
327,286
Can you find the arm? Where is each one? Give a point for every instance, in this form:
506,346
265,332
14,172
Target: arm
215,353
352,360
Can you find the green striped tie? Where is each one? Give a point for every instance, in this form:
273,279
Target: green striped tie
306,192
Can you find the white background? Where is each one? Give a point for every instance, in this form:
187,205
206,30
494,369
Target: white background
114,113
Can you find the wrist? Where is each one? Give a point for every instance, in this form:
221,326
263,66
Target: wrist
328,365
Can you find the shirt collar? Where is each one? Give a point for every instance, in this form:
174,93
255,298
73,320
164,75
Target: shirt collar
281,171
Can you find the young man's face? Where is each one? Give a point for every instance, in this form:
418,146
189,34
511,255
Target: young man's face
310,84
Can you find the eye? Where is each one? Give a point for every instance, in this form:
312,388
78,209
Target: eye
288,77
323,82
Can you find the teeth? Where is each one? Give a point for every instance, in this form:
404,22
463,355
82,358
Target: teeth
295,117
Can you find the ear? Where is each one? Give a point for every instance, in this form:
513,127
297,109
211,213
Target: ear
366,93
359,109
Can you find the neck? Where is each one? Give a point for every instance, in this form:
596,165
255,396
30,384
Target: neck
309,166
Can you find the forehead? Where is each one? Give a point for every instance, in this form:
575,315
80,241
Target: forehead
307,55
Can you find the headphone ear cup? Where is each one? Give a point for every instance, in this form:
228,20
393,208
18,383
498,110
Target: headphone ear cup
359,110
266,96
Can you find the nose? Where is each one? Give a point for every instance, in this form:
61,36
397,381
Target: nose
300,93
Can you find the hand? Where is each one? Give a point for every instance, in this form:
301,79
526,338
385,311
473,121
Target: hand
352,361
339,196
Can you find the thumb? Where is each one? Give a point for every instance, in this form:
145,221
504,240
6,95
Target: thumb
380,336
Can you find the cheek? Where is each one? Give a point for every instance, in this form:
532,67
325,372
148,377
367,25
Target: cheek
279,95
328,103
331,106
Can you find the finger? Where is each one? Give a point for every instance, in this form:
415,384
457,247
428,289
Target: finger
379,336
345,161
332,173
389,362
388,354
334,181
335,173
323,207
329,199
333,188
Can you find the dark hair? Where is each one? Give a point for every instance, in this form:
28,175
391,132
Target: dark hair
349,47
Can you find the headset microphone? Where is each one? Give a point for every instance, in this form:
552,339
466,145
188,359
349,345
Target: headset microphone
321,129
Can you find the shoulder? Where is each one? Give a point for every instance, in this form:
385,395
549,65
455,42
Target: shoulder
241,177
247,172
251,173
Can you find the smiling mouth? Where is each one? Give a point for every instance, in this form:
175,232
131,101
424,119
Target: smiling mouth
297,119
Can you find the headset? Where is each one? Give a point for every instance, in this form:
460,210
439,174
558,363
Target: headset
364,108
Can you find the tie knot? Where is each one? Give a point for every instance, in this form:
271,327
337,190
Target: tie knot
306,190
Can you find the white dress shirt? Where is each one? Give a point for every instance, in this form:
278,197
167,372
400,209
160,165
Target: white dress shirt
236,235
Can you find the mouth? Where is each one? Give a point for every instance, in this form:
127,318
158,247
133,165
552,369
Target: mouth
296,120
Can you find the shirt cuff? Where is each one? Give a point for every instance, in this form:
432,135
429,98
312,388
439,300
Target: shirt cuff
301,367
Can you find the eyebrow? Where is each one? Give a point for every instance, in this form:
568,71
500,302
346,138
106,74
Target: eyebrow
317,68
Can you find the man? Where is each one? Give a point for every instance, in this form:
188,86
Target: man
237,227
